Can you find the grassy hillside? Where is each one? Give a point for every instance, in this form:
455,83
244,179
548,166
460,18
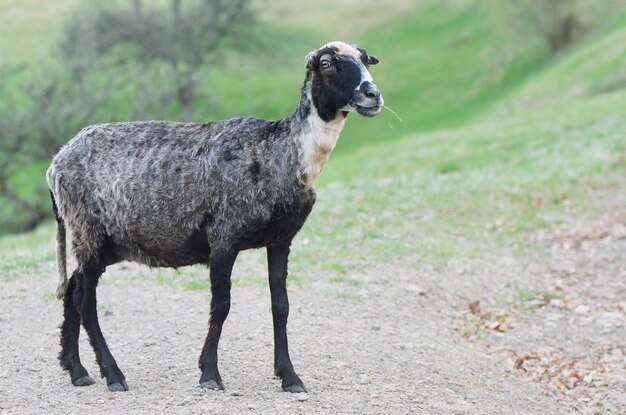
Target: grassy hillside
436,195
441,65
597,65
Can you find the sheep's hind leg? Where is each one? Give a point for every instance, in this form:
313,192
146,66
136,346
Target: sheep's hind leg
70,330
277,258
221,267
116,381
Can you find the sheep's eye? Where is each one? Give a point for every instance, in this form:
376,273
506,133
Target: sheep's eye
325,64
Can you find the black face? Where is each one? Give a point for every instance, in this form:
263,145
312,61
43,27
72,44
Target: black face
341,83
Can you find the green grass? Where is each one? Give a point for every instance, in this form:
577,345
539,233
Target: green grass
395,201
440,67
185,279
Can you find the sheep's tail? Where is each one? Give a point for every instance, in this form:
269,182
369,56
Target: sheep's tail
61,255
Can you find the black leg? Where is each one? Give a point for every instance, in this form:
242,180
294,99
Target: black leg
221,267
70,330
277,257
116,381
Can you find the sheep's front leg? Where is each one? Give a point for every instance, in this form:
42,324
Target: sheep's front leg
221,267
277,257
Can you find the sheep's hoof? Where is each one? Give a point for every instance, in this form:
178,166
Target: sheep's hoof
294,387
83,381
121,386
212,384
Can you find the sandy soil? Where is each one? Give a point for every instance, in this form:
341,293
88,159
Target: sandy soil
397,339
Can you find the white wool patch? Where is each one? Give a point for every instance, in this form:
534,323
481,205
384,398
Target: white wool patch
317,140
344,49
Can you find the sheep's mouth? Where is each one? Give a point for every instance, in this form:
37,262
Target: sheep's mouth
368,111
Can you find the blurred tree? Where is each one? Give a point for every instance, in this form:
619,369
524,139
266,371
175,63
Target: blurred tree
31,133
554,20
185,36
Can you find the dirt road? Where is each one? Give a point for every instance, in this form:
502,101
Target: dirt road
393,339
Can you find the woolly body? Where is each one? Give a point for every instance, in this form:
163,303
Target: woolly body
164,193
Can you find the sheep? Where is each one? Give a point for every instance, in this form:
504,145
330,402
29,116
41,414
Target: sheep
168,194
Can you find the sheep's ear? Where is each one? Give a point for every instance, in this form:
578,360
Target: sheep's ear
367,59
309,59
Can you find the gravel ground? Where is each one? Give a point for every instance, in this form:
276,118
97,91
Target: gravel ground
392,339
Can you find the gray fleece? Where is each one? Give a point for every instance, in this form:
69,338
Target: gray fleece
151,186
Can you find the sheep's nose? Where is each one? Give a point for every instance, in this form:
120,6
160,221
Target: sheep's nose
370,90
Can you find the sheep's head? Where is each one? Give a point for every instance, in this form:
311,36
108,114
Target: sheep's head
341,81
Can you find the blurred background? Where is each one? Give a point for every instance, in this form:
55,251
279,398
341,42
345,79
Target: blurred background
493,209
510,110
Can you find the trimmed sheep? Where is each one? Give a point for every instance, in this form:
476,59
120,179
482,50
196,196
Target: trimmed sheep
169,194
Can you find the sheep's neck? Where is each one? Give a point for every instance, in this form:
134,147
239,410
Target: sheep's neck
316,138
317,141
